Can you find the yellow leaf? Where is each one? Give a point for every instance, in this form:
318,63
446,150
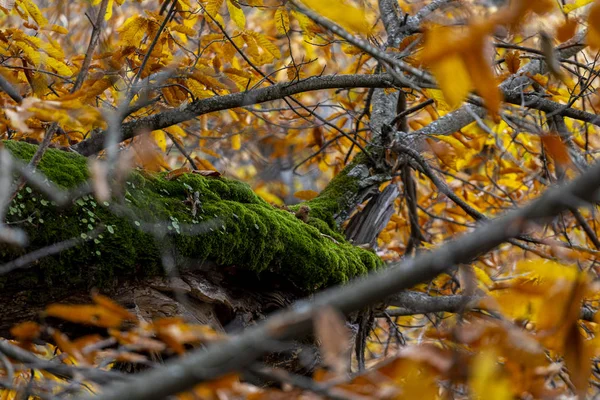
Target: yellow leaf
176,130
34,12
59,66
282,21
574,6
453,79
252,48
348,16
183,29
236,13
438,97
133,30
305,24
31,54
264,43
486,379
306,194
160,138
198,89
483,277
59,29
269,197
212,7
236,142
109,10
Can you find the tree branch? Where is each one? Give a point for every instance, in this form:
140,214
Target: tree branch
162,120
182,374
511,88
411,303
10,90
89,54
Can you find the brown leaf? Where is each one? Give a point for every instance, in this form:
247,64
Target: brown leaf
148,156
317,135
513,61
334,340
578,360
176,173
566,30
207,172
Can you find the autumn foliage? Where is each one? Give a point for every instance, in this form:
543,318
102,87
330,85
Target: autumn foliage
500,105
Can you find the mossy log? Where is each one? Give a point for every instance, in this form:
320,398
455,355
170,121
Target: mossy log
235,231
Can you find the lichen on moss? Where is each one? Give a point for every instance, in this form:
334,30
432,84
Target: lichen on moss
240,229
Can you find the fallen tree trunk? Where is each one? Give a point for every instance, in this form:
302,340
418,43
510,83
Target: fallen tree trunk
210,238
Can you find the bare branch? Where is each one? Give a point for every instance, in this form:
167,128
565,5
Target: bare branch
94,39
411,303
10,90
278,91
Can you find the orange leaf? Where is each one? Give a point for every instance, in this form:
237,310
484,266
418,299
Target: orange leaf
85,314
63,343
593,34
111,306
26,331
566,30
484,80
578,359
556,149
204,164
306,194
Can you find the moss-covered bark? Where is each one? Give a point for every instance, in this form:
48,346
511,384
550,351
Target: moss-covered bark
242,230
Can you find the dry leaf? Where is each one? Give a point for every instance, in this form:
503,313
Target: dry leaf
334,340
556,149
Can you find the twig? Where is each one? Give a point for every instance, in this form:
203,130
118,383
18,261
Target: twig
10,90
87,61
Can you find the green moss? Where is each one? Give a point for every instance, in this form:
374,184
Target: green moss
237,228
339,196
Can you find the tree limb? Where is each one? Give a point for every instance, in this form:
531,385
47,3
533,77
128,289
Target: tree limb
95,143
241,350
